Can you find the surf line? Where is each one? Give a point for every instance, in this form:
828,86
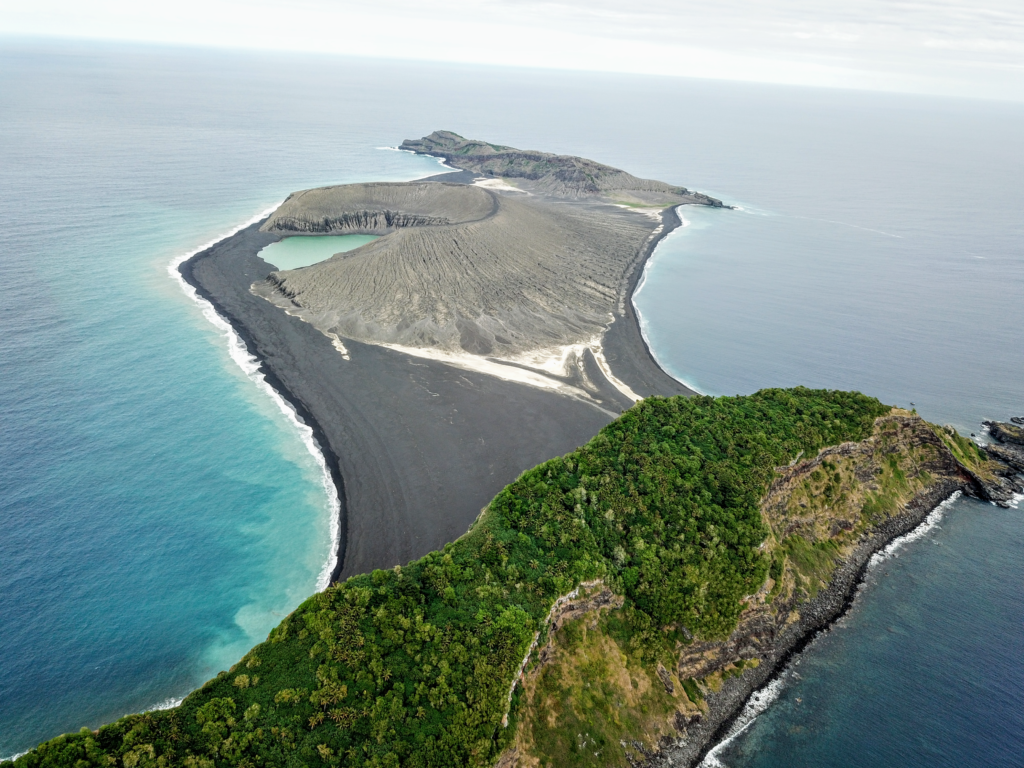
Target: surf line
251,367
764,697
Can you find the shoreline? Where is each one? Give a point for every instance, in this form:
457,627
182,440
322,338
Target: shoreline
183,268
820,614
774,685
641,280
642,371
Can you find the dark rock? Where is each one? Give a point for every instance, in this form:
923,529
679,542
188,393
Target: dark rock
1005,433
1011,454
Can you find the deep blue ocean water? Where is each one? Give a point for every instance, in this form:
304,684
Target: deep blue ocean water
159,512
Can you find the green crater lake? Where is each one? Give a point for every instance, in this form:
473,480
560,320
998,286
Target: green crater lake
302,251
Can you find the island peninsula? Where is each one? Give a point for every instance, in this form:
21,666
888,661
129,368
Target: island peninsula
613,605
490,328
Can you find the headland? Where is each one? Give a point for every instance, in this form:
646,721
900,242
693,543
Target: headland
486,331
505,596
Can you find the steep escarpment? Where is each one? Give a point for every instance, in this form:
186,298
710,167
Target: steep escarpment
560,175
378,208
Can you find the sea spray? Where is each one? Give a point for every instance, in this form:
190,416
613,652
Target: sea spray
170,703
251,367
758,702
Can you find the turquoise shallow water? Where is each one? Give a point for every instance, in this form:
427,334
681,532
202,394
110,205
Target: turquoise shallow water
296,252
159,512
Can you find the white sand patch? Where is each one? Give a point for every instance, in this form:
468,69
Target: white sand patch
478,364
556,361
607,371
553,360
498,185
339,345
651,212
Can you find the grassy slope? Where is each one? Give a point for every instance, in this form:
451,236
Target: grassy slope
413,666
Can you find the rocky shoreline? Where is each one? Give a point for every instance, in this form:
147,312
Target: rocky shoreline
816,615
700,736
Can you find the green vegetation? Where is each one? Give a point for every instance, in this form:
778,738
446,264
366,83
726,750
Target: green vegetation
813,563
692,690
413,666
591,696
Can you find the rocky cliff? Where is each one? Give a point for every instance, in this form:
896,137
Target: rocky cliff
600,691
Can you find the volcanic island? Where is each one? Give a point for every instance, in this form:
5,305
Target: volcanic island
552,553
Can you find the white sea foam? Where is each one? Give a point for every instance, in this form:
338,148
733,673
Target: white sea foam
761,699
12,758
927,525
167,704
758,702
250,365
440,160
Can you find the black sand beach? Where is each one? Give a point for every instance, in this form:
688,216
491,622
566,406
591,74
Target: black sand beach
416,447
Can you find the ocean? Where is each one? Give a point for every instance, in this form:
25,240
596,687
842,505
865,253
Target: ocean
161,511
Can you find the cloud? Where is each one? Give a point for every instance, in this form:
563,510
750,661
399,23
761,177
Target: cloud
931,47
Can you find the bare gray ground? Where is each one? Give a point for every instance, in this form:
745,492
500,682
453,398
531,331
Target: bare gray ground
417,447
462,268
554,175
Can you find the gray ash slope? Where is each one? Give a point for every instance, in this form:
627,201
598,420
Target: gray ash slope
471,269
417,447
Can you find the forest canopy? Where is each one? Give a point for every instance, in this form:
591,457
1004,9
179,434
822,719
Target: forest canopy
414,666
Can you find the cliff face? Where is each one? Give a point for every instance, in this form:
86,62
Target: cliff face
599,689
377,209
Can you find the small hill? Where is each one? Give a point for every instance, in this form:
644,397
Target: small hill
559,175
615,595
462,269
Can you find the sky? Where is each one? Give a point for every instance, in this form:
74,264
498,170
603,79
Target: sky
945,47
